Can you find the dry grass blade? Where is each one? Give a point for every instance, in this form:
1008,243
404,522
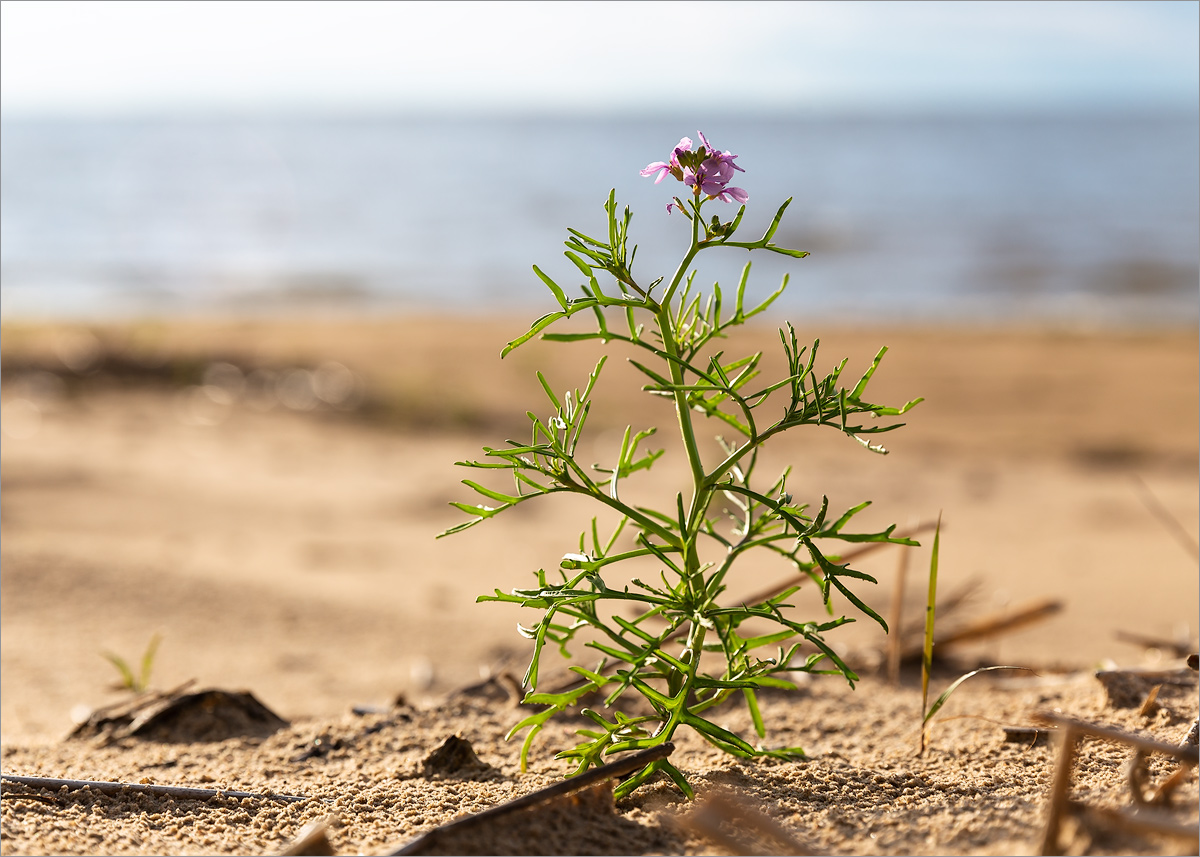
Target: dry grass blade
926,722
1159,511
1151,704
895,617
1170,784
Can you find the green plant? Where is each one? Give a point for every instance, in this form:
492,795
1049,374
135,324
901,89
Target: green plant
928,711
139,682
684,651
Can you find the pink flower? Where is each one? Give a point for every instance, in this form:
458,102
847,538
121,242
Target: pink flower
708,180
724,160
733,194
707,171
660,167
672,166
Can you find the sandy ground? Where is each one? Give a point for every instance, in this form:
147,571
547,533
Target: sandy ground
284,545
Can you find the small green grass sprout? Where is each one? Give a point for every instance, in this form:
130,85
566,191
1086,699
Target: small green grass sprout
139,682
927,652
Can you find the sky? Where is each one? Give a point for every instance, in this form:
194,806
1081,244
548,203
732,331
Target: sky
98,57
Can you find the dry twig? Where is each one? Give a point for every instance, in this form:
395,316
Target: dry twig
1178,647
1001,623
589,779
1061,806
991,625
178,792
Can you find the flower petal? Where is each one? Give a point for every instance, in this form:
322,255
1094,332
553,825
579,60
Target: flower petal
660,167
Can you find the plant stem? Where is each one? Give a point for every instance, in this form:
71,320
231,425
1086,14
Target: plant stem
687,430
666,328
700,490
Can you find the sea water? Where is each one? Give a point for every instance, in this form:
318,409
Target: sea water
1092,218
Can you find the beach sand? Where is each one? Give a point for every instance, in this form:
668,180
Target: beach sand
283,543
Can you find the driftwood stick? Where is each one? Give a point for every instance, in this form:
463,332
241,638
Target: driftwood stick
1186,753
595,776
180,792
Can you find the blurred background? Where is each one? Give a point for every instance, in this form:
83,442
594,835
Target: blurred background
948,161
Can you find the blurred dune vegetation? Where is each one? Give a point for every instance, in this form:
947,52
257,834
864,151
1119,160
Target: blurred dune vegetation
990,391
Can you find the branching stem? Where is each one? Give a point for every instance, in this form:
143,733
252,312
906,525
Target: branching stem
685,593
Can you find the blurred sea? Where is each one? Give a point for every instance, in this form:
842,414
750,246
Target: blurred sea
1093,219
